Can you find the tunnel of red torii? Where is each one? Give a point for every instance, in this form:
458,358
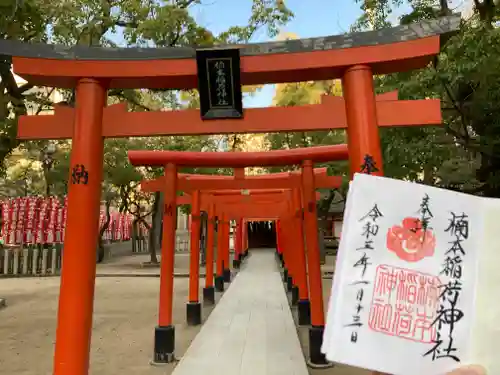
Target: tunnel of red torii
253,205
240,205
189,182
309,284
355,58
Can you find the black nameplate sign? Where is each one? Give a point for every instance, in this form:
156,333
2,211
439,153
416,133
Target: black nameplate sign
219,83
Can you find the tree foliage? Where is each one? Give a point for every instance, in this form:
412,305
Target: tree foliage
102,23
125,23
464,153
303,93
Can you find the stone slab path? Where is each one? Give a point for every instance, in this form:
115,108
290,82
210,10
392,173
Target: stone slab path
251,330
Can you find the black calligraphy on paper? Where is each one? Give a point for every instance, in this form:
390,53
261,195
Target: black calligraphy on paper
369,231
449,313
369,165
79,175
425,213
373,214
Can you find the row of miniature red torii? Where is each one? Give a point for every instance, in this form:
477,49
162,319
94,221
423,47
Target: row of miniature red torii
289,198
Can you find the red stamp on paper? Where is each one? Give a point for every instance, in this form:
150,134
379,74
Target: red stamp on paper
404,304
411,241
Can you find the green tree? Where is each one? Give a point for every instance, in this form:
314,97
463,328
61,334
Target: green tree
310,93
464,154
90,23
303,93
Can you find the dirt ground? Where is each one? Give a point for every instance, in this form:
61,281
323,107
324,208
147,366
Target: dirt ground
125,314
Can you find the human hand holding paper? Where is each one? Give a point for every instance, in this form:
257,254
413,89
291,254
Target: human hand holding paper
466,370
469,370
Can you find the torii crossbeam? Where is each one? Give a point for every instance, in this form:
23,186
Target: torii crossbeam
283,180
119,123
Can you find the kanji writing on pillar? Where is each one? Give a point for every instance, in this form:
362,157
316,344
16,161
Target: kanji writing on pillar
408,279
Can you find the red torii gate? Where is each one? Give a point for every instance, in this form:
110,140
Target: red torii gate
226,208
245,197
232,209
192,182
282,180
282,210
243,206
305,156
354,58
290,246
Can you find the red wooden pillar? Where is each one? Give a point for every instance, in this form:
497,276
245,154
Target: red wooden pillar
313,265
219,277
363,140
244,235
304,305
294,279
279,250
193,307
165,332
238,244
239,173
241,225
76,298
247,243
209,290
226,248
287,235
284,251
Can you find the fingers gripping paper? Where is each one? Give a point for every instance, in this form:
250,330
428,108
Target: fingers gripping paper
403,295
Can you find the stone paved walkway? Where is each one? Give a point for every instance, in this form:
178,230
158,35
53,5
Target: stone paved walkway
251,330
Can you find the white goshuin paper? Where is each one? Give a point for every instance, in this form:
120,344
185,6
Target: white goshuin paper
388,347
